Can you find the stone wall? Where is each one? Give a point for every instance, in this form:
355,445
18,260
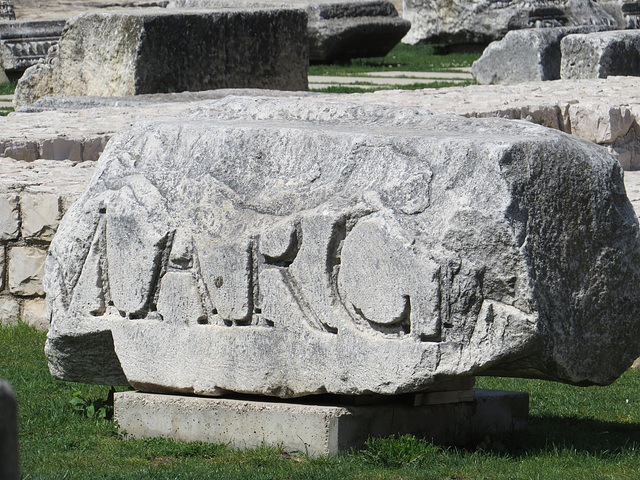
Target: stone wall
33,199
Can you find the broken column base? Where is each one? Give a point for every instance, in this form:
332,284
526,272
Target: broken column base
295,426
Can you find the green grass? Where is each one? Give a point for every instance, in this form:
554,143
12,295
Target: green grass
413,86
412,58
8,88
577,433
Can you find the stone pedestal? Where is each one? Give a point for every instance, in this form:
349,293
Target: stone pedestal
320,428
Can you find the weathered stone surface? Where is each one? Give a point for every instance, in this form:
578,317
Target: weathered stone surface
26,270
600,54
40,215
9,461
9,227
133,52
527,55
483,21
9,310
34,312
479,244
338,29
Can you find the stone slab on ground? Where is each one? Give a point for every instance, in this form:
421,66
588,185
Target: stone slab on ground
316,429
9,459
136,52
338,29
600,54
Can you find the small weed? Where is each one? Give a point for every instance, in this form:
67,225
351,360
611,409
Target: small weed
93,408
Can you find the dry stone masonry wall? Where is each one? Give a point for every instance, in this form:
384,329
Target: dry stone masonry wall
34,198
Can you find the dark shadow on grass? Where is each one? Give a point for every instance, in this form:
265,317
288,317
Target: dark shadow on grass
552,434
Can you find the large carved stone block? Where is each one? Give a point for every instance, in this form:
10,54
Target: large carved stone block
135,51
294,247
483,21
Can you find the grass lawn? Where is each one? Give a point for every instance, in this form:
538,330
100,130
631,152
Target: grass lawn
404,58
576,433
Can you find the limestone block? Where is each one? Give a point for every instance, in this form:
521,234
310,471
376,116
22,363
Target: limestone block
316,429
9,460
9,310
34,312
61,148
483,21
401,248
338,29
137,51
600,123
527,55
22,150
40,215
9,217
600,55
26,269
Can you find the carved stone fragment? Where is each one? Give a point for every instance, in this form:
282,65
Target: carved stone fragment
483,21
295,247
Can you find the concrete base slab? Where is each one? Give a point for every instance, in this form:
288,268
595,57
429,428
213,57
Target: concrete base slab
316,429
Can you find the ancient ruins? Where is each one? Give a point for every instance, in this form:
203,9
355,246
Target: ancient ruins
288,242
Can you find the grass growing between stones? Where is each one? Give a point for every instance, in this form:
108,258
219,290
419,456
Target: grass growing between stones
410,58
413,86
581,433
